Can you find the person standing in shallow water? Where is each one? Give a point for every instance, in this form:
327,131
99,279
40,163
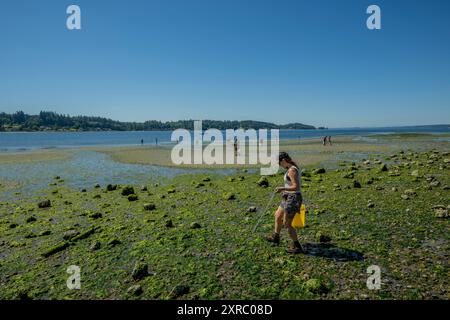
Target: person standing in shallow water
290,204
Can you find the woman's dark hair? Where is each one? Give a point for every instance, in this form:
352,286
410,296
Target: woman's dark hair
284,156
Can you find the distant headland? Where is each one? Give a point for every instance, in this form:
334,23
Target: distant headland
51,121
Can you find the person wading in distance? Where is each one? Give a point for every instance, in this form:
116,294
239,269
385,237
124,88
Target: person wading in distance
290,204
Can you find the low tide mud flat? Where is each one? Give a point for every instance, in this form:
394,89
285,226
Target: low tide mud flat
34,156
191,236
306,151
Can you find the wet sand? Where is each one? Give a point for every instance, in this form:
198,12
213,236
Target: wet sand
306,152
34,156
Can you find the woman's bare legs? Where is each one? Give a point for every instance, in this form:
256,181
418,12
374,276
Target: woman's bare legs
275,237
291,230
279,220
296,246
280,216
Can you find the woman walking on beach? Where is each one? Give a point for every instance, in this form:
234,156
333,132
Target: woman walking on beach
290,205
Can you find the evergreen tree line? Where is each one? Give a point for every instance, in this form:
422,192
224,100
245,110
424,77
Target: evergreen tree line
45,120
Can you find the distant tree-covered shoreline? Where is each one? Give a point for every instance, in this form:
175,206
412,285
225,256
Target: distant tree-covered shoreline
51,121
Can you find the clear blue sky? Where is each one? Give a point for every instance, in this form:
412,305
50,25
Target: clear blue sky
282,61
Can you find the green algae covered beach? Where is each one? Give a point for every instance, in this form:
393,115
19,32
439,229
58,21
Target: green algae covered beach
190,236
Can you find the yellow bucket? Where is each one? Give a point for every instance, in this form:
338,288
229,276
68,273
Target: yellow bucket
299,218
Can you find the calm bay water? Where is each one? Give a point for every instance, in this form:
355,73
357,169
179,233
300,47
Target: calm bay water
20,141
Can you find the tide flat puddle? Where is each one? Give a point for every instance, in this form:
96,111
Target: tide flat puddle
87,168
